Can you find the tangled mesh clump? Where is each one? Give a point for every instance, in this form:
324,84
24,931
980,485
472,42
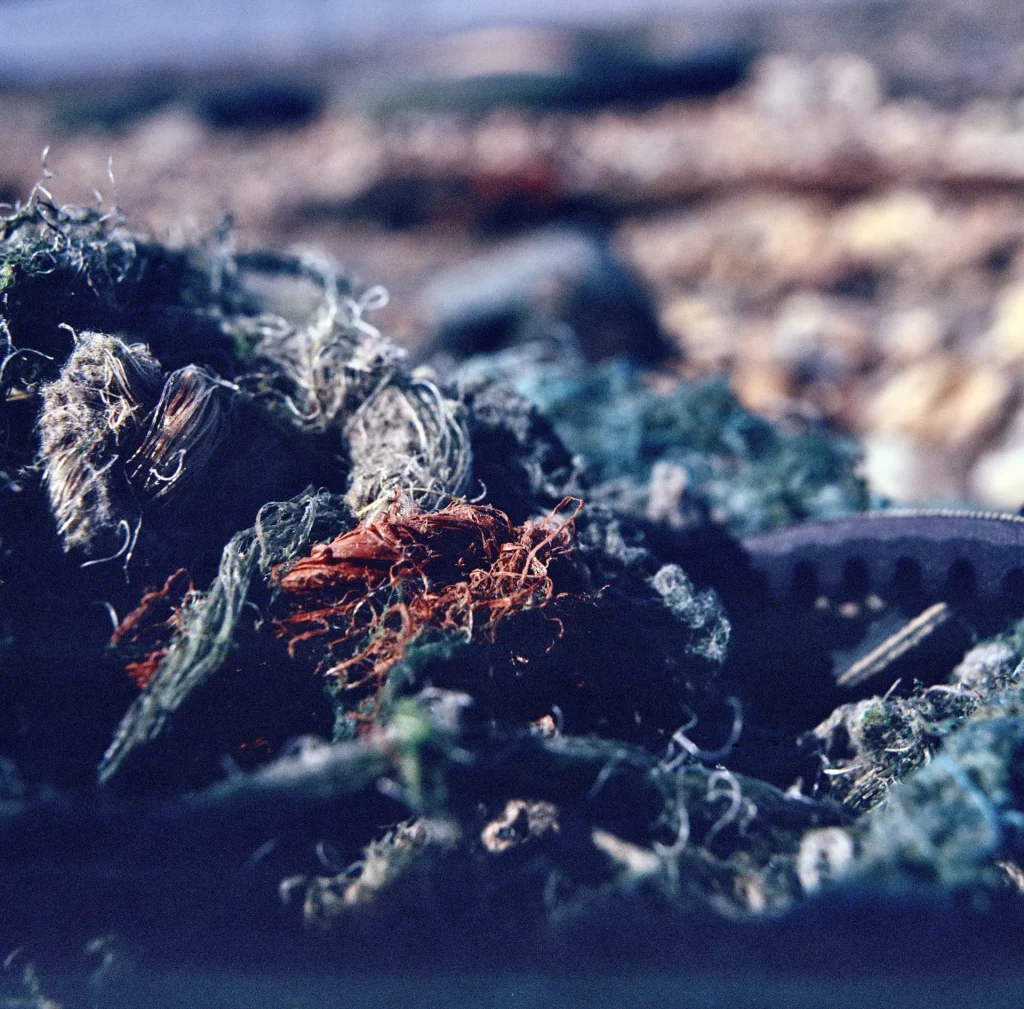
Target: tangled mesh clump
205,625
332,360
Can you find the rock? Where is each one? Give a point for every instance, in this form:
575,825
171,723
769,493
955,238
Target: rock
757,246
1007,333
817,340
911,334
556,277
852,85
944,402
883,230
702,329
784,87
927,424
762,386
997,479
901,469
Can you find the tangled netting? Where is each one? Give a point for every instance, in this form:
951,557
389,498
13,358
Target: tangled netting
159,397
418,531
297,538
148,358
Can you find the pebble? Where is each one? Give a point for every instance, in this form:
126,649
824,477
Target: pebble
997,478
902,470
557,276
1007,333
913,334
880,231
762,386
852,85
943,402
816,339
704,330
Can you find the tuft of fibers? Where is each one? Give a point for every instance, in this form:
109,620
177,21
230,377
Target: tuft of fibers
92,416
334,360
408,434
401,430
205,628
115,436
187,425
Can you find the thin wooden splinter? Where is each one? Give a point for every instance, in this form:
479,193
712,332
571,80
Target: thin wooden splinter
907,637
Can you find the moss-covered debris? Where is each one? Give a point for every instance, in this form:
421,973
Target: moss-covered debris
658,448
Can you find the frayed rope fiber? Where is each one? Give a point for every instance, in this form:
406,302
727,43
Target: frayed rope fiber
363,597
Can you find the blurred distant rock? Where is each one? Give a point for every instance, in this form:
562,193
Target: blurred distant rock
557,277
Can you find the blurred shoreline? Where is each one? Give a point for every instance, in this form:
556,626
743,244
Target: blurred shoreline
48,41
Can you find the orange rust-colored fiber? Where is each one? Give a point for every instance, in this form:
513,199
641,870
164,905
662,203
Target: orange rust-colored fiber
143,670
148,628
372,590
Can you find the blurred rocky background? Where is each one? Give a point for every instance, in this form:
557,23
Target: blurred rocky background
824,202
